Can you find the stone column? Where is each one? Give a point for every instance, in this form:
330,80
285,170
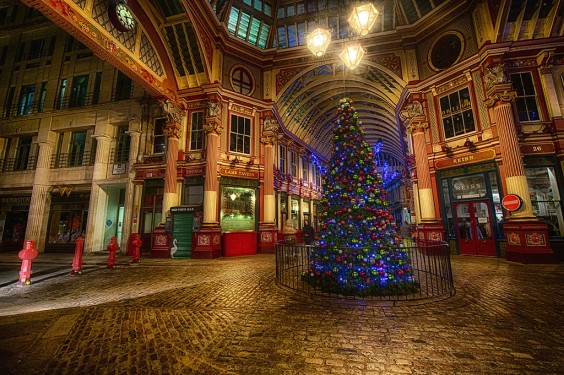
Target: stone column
429,228
98,197
268,232
527,237
40,196
129,224
208,239
170,197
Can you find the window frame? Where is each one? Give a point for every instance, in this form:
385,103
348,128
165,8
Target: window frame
519,98
197,133
244,136
459,110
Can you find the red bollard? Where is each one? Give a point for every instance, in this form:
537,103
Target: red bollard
112,248
77,260
27,254
136,243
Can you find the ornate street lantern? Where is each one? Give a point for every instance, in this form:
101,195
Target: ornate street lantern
352,55
363,17
318,41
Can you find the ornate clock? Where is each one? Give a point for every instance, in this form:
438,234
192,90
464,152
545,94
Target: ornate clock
446,50
121,16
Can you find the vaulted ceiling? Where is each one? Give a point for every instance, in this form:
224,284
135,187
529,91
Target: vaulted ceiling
170,50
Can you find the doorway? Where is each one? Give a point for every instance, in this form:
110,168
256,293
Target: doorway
474,228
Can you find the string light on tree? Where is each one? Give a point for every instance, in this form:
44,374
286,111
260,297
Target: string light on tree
360,251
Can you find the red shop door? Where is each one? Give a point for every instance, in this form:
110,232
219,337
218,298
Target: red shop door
474,228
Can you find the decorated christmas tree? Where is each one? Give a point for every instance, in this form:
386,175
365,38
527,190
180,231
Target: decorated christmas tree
360,251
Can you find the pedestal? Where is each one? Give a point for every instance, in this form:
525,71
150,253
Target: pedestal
268,235
208,243
527,242
239,243
161,243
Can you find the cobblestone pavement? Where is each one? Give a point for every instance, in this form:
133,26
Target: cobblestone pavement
227,316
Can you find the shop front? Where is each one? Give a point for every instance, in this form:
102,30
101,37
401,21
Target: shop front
471,207
151,211
13,222
67,221
239,216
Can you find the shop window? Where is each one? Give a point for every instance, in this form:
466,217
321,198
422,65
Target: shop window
305,169
67,222
26,100
240,135
22,155
293,163
545,197
159,139
295,212
237,208
36,49
193,195
241,81
456,113
62,93
317,176
282,159
124,87
526,101
97,86
77,149
42,95
468,187
197,131
123,141
79,90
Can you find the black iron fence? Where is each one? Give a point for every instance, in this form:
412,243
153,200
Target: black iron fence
431,272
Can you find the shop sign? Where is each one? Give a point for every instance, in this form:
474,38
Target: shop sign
182,209
511,202
475,157
239,173
539,148
15,200
119,169
193,172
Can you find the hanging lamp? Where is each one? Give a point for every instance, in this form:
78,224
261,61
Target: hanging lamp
318,41
363,17
352,55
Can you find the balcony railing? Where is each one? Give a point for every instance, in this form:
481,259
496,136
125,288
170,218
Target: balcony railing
16,110
73,160
16,164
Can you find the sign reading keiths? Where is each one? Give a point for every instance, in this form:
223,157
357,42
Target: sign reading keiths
511,202
239,173
474,157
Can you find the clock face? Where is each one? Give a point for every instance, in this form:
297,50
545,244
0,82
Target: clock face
446,51
125,17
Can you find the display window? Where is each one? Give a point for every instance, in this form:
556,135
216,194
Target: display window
545,196
238,208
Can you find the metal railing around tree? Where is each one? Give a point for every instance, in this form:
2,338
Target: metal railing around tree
430,263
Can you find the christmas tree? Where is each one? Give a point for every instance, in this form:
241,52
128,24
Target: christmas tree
360,251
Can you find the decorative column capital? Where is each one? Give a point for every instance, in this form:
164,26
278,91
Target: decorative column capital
500,97
417,125
411,111
546,69
213,125
172,110
172,130
213,109
494,75
269,129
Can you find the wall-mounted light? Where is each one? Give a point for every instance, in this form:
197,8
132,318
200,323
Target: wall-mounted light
318,41
446,148
468,143
352,55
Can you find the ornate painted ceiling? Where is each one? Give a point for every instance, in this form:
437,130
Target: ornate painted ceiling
171,50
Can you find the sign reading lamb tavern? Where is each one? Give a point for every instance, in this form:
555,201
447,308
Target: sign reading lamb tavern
471,158
239,173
